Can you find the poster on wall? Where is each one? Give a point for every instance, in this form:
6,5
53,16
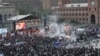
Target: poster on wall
3,30
20,26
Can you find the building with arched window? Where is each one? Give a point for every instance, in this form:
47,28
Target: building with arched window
7,11
87,11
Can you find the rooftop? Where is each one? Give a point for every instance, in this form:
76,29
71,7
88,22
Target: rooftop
54,7
77,5
73,5
6,5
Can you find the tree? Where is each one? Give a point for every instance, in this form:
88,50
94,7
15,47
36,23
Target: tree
23,11
74,22
61,20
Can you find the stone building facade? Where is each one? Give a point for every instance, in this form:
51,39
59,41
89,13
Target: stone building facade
28,5
32,4
7,11
88,12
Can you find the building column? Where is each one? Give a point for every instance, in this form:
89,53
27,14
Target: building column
3,20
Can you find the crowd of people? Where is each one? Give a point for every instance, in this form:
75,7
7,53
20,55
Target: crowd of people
90,32
24,45
39,45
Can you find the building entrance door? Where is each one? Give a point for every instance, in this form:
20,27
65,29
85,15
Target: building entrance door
93,21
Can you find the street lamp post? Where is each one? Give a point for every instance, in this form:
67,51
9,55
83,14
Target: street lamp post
98,51
44,18
45,21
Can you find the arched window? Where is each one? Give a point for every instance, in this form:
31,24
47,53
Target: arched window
73,14
65,14
83,9
86,19
76,19
86,14
95,9
89,9
76,9
86,9
69,14
76,14
67,19
79,9
79,14
80,19
83,19
83,14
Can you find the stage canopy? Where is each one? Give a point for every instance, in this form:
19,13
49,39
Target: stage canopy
18,17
